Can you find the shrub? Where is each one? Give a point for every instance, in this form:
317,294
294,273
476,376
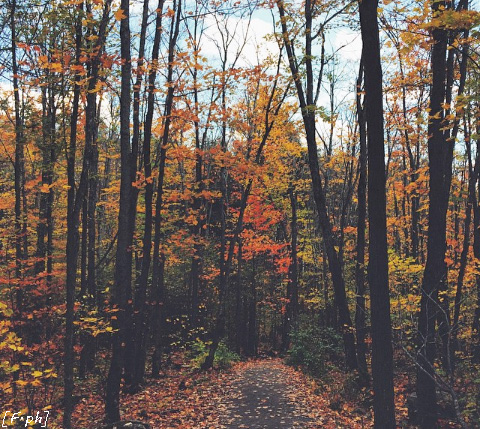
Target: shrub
313,346
224,357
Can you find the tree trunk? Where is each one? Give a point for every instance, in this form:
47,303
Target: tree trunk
44,251
435,269
142,281
72,238
75,199
123,261
252,314
158,255
382,351
292,285
476,255
239,297
135,331
360,313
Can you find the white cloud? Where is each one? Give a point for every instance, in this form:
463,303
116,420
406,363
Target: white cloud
248,40
348,44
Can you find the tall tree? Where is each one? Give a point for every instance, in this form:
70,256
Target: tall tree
142,281
158,281
76,195
308,98
382,351
360,310
123,258
442,133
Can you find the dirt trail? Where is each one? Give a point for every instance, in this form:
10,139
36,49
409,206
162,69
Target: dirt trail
261,397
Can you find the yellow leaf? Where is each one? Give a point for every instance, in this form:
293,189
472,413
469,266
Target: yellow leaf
119,15
45,188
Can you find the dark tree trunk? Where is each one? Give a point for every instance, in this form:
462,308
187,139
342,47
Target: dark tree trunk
75,199
330,319
360,312
223,278
72,238
473,174
21,244
435,269
441,140
239,297
88,342
382,351
158,255
135,330
19,167
471,201
142,281
123,261
92,230
44,251
414,198
292,285
251,349
83,251
199,203
476,254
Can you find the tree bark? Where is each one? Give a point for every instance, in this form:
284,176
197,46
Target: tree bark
292,285
72,238
123,260
435,269
360,312
135,331
158,254
442,132
382,351
142,281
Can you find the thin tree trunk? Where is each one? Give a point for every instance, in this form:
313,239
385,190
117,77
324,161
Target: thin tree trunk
292,285
123,262
476,255
135,330
158,254
239,296
21,245
360,313
142,281
46,195
84,337
252,314
72,237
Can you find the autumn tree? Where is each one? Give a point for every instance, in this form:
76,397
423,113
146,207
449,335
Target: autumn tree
308,93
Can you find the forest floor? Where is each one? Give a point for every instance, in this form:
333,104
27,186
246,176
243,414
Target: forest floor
261,393
258,393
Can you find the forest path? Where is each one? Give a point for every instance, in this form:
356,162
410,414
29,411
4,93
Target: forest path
261,397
